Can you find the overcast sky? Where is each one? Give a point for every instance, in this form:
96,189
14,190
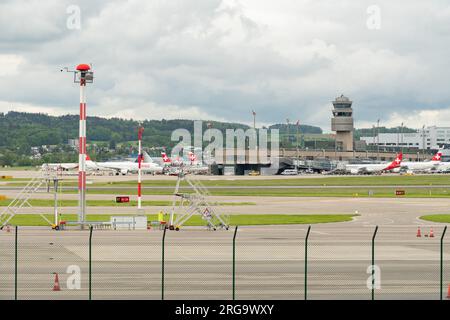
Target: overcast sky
219,59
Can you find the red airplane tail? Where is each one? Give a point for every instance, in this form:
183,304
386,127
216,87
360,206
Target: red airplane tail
437,156
165,158
396,163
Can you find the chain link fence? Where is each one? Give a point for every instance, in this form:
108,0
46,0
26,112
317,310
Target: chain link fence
260,262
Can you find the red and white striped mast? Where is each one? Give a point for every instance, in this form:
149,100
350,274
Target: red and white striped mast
83,76
140,132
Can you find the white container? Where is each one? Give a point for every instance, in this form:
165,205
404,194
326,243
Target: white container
129,222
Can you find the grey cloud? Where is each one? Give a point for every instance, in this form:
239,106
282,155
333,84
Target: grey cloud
221,59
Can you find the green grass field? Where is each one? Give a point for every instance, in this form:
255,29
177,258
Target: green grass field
305,181
360,186
110,203
444,218
241,220
293,192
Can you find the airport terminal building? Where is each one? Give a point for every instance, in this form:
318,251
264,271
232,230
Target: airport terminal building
430,138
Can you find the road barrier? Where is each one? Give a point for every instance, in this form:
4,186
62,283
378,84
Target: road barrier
195,264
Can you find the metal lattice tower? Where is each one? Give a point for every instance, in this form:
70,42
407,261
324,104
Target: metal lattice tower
195,203
21,200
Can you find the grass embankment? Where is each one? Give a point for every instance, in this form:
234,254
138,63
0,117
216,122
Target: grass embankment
110,203
444,218
241,220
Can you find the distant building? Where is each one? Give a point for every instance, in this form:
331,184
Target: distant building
35,153
430,138
73,143
342,123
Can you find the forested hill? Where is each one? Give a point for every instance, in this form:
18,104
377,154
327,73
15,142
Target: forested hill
24,130
370,132
291,128
35,129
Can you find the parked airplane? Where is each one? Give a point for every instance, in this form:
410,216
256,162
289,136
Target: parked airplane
443,167
374,167
124,167
120,167
423,165
69,166
191,165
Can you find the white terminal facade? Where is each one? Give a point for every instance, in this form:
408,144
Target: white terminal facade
430,138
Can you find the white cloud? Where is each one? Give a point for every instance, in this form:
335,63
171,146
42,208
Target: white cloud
416,119
6,106
9,64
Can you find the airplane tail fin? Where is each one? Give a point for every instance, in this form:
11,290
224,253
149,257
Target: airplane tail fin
146,157
396,163
165,158
437,156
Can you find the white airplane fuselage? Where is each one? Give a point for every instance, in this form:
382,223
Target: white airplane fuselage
420,165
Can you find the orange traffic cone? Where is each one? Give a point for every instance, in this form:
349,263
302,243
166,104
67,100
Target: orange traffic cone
431,233
448,292
56,286
418,233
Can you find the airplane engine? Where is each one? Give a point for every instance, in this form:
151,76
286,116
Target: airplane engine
124,172
354,171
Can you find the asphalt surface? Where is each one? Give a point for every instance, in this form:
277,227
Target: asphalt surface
269,263
270,260
383,211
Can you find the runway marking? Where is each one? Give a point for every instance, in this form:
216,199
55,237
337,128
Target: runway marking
422,222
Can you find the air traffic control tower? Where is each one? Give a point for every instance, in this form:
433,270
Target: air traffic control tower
342,123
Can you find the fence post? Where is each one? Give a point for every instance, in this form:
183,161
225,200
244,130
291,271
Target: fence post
234,263
373,262
15,262
162,263
90,263
306,263
442,264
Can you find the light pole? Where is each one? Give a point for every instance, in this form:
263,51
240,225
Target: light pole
82,75
55,199
373,133
287,143
401,135
296,163
254,119
423,142
378,139
254,129
140,132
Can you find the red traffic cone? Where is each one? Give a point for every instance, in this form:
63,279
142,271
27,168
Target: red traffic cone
56,286
431,233
448,292
418,233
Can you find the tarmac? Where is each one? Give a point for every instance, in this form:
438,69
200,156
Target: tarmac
270,260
